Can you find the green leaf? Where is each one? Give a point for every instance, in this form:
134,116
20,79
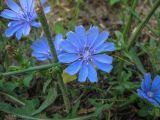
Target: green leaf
68,78
46,84
27,80
120,40
155,112
6,107
13,98
29,108
75,107
9,86
136,60
14,68
51,97
143,111
113,2
9,109
100,106
58,28
151,48
25,110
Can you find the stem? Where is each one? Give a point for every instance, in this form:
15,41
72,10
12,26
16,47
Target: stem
13,98
87,117
140,27
140,20
41,67
126,31
77,9
1,37
128,25
47,32
46,29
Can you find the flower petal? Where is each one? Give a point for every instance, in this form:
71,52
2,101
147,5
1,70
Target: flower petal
13,6
92,74
68,47
45,54
41,58
41,49
83,73
40,45
57,41
43,2
19,34
11,30
92,35
8,14
37,54
30,6
156,93
81,33
103,66
26,29
103,36
157,96
108,46
141,94
47,9
156,84
35,24
34,15
74,67
146,83
24,5
153,101
14,23
73,38
103,58
68,57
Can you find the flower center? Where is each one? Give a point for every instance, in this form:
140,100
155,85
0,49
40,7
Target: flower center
150,94
86,54
27,17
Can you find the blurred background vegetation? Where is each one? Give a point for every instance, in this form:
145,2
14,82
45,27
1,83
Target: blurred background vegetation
32,97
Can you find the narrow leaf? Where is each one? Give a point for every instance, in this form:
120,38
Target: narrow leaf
51,97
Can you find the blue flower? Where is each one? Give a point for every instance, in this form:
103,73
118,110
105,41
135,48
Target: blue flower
41,50
83,51
150,90
22,17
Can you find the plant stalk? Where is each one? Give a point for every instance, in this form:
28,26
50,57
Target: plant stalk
128,25
47,32
41,67
140,20
140,27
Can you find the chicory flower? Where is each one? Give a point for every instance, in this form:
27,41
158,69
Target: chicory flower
84,52
22,16
41,50
150,90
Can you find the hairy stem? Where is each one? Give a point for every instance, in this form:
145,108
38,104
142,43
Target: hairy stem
47,32
41,67
128,25
140,27
136,15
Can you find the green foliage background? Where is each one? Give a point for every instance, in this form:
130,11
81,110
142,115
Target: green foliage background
35,95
